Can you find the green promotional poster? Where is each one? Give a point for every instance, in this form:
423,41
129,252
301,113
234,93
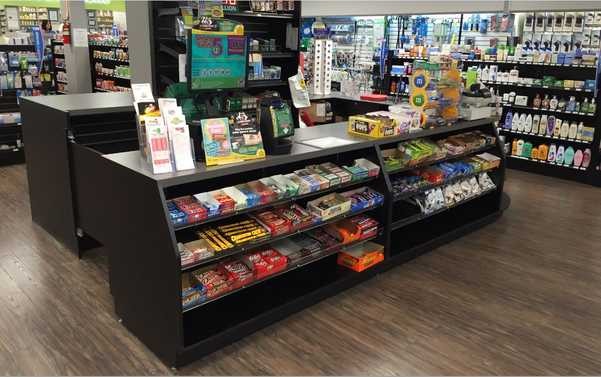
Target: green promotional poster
216,61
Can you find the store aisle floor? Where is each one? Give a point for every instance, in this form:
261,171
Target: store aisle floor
521,296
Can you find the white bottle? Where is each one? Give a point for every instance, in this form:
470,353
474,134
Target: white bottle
479,73
514,75
522,123
542,128
579,131
515,121
494,69
528,124
535,123
485,74
573,132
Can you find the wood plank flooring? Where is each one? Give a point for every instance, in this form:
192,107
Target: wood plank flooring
521,296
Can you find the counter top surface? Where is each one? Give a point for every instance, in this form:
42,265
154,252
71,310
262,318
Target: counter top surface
86,102
339,95
301,150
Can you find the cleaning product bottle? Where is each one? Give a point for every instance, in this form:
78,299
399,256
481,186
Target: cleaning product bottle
520,148
571,106
485,74
514,75
514,147
553,103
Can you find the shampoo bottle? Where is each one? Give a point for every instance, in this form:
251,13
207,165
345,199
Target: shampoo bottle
522,123
535,124
528,124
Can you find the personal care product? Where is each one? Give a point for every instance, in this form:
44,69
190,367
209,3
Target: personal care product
528,124
535,124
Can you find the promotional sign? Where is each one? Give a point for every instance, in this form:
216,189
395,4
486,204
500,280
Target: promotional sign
216,61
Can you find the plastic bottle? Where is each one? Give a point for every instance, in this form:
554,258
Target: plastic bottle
515,121
508,119
592,107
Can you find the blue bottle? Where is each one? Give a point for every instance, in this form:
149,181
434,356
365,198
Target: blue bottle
508,119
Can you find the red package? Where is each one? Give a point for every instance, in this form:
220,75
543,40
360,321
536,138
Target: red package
226,204
260,268
274,223
367,226
215,281
238,273
266,194
195,211
274,258
297,216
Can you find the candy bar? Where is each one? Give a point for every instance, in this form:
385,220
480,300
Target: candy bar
290,186
304,186
226,204
237,196
238,273
193,293
329,206
214,280
298,216
344,176
324,183
266,195
252,198
344,231
357,172
278,190
372,169
367,226
276,224
209,202
325,240
177,216
333,179
192,208
363,197
291,250
195,251
361,257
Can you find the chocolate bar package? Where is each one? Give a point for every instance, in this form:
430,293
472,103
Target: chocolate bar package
177,216
344,175
273,222
289,185
192,292
266,195
214,280
194,251
238,273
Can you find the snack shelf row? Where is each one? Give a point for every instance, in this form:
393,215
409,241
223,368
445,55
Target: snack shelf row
275,203
324,253
267,240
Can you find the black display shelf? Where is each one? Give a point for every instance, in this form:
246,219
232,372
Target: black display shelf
130,219
286,16
548,163
276,54
8,48
419,217
315,257
397,59
537,136
267,240
265,83
538,109
444,159
101,46
541,87
276,203
451,181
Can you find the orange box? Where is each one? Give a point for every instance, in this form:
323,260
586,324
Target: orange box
361,257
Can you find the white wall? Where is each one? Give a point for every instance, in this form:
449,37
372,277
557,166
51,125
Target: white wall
139,40
311,8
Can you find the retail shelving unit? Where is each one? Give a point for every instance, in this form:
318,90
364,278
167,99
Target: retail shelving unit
168,47
112,62
61,86
123,206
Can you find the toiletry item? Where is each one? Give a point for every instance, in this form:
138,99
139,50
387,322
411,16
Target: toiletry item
565,129
543,152
511,97
573,131
494,69
579,130
571,106
584,107
522,123
515,121
528,124
552,153
520,148
485,74
560,155
479,73
514,147
586,158
557,128
578,156
504,76
592,107
561,105
577,107
508,119
545,103
514,75
542,129
537,101
534,154
527,150
550,125
535,124
568,158
553,103
505,97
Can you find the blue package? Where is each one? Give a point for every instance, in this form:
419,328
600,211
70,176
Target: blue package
590,84
178,217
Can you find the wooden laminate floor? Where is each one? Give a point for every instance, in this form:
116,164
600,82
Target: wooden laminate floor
521,296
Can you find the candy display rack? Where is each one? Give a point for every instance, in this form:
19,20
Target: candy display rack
132,220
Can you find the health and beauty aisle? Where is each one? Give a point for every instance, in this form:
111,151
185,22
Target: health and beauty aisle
109,60
540,71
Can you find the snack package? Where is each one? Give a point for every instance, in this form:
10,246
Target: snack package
194,251
178,217
193,293
361,257
286,183
363,198
193,209
329,206
214,280
238,273
276,224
